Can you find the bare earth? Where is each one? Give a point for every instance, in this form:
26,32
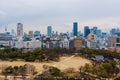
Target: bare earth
65,62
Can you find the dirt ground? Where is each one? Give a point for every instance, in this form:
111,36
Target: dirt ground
64,63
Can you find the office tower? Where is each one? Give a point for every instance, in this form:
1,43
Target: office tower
86,31
95,30
75,28
19,29
26,37
36,33
49,30
99,32
80,33
113,31
31,34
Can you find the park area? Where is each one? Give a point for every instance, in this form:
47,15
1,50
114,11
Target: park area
65,62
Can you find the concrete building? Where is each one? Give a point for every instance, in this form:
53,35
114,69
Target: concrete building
51,43
36,33
86,31
92,37
19,29
66,43
31,34
28,44
49,31
111,40
78,43
117,43
75,29
91,44
6,40
95,30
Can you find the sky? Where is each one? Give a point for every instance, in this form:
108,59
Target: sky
60,14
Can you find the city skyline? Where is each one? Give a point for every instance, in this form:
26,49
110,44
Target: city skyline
71,30
37,15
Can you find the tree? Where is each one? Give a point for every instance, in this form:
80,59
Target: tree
108,67
54,71
12,55
7,50
30,58
87,68
52,56
40,57
37,51
101,72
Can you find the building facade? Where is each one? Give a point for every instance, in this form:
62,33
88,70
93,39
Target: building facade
92,37
28,44
6,40
31,34
66,43
75,29
78,43
19,29
49,30
86,31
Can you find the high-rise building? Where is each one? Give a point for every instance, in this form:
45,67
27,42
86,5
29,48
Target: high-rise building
36,33
115,31
31,34
19,29
99,32
86,31
75,29
49,30
95,30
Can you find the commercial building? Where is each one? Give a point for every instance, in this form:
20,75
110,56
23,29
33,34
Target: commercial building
78,43
75,29
36,33
19,29
91,44
92,37
49,30
66,43
28,44
31,34
6,40
86,31
95,30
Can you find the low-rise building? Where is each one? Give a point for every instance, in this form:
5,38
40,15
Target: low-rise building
6,40
111,40
78,43
28,44
66,43
92,37
91,44
51,43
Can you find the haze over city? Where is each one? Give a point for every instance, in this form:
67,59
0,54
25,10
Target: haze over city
60,14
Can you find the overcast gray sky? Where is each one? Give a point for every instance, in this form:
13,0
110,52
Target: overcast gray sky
38,14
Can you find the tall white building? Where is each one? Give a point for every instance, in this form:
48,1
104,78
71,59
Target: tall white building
19,29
